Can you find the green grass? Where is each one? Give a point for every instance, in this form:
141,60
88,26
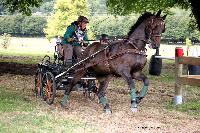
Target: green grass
23,53
167,72
26,50
10,101
191,94
24,59
191,101
42,123
21,60
33,48
17,114
191,107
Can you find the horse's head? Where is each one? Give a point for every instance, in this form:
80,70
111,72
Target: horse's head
155,26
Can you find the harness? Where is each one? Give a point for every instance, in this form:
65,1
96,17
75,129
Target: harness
108,56
123,52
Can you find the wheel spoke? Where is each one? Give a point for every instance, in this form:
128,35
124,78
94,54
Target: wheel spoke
49,84
49,87
38,83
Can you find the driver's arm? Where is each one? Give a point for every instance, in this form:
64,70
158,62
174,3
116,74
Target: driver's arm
68,34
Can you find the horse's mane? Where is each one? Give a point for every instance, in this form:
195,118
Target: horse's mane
139,21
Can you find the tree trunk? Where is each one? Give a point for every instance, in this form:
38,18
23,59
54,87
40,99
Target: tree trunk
195,10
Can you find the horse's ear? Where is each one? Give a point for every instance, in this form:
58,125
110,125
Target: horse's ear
158,14
164,17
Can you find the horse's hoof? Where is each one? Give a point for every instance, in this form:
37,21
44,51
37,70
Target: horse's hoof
108,111
139,99
134,110
134,106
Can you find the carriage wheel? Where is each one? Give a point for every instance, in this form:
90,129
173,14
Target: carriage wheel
49,87
38,83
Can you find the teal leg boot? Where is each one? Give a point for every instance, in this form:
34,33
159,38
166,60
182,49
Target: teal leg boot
142,94
105,104
133,100
64,101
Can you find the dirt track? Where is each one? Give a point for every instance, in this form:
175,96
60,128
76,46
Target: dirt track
151,117
18,69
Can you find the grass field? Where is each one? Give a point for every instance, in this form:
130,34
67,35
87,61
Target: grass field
21,114
42,46
21,111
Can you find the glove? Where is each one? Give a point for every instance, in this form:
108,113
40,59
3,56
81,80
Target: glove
70,39
84,44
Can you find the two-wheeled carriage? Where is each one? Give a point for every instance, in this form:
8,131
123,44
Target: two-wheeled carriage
55,75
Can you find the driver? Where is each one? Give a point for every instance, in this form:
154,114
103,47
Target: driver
75,33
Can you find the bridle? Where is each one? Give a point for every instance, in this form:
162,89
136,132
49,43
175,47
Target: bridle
148,35
149,26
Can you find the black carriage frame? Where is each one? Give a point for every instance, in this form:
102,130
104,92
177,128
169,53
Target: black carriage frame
54,75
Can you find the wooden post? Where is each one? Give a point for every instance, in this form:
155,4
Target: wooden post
178,88
178,72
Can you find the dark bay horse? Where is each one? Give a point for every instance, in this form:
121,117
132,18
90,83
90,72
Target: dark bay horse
125,58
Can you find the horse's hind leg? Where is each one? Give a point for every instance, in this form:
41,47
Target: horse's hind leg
103,84
140,76
78,75
127,76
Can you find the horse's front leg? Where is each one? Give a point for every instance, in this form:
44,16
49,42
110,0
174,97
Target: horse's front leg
128,78
78,75
140,76
103,84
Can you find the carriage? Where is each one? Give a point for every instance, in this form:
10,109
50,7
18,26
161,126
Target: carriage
124,58
54,75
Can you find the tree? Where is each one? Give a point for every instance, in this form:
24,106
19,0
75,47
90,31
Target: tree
23,6
111,25
33,25
124,7
97,7
21,25
66,11
46,8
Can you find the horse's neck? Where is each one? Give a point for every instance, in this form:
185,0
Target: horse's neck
138,37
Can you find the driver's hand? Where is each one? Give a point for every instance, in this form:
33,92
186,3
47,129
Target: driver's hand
84,43
70,39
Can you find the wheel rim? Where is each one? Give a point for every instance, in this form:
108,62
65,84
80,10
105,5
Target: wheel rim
38,83
49,88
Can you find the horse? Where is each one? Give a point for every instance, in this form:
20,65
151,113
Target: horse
122,58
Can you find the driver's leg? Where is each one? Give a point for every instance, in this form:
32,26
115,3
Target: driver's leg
78,51
68,52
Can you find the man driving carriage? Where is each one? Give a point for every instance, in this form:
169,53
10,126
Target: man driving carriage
74,35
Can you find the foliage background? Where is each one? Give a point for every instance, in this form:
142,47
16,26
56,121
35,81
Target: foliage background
53,16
